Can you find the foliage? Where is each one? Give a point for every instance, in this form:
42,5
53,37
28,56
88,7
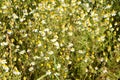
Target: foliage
59,40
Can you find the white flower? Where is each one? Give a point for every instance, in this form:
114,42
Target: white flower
79,2
102,38
96,68
70,62
22,52
108,6
25,35
43,22
17,46
102,59
16,72
105,70
48,72
4,7
35,30
81,51
32,63
86,70
58,66
119,39
39,44
5,68
70,45
46,58
67,57
28,50
3,61
22,19
56,74
113,13
46,30
86,60
4,43
42,33
53,40
31,69
56,44
70,33
41,54
15,16
36,57
72,49
9,31
50,52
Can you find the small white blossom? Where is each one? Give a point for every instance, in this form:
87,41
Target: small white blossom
3,61
16,72
28,50
96,68
17,46
102,38
15,16
105,70
5,68
56,74
70,45
86,70
4,7
67,57
31,69
32,63
35,30
42,33
48,72
46,58
81,51
72,49
46,30
22,52
50,52
70,33
119,39
9,32
56,44
53,40
25,35
102,59
4,43
36,57
58,66
43,22
22,19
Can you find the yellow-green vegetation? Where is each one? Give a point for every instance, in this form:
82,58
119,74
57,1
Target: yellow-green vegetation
59,40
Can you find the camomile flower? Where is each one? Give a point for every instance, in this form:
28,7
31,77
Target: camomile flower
3,61
48,72
57,45
5,67
15,16
22,52
16,72
31,69
9,32
50,52
4,43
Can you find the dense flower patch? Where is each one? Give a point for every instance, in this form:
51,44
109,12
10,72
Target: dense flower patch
59,40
